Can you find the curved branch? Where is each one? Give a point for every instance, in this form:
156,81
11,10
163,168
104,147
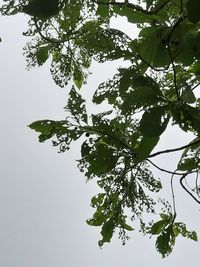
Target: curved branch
164,170
50,40
53,40
183,186
196,185
174,149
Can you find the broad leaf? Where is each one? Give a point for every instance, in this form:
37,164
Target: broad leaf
154,121
158,227
42,55
42,8
187,117
152,48
144,148
77,106
165,241
107,231
193,7
48,128
143,96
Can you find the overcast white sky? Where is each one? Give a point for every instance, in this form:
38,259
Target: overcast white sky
44,200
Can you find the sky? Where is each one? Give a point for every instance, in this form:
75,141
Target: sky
44,199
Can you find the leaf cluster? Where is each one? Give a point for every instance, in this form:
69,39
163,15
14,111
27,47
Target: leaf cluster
155,91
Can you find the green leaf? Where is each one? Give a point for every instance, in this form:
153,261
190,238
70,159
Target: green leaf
96,221
107,231
165,241
77,106
180,228
123,224
188,164
192,147
193,7
102,159
47,128
94,38
154,121
144,148
152,48
78,77
103,11
159,227
162,60
42,55
193,235
85,149
127,227
133,16
190,159
42,8
141,96
188,95
166,217
97,200
187,117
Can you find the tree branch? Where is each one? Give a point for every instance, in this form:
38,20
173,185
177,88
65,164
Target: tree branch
183,186
112,137
53,40
50,40
164,170
174,149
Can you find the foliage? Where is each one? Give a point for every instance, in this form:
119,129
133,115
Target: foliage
155,91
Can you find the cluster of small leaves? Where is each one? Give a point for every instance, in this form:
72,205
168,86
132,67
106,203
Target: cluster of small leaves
71,34
12,7
108,155
124,186
157,90
63,132
167,230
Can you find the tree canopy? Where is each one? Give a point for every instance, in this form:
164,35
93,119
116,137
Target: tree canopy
155,91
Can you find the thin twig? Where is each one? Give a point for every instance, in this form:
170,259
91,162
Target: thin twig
195,86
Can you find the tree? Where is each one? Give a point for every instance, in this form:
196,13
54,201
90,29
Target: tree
155,91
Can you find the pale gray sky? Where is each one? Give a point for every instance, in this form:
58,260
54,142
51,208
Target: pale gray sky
44,200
